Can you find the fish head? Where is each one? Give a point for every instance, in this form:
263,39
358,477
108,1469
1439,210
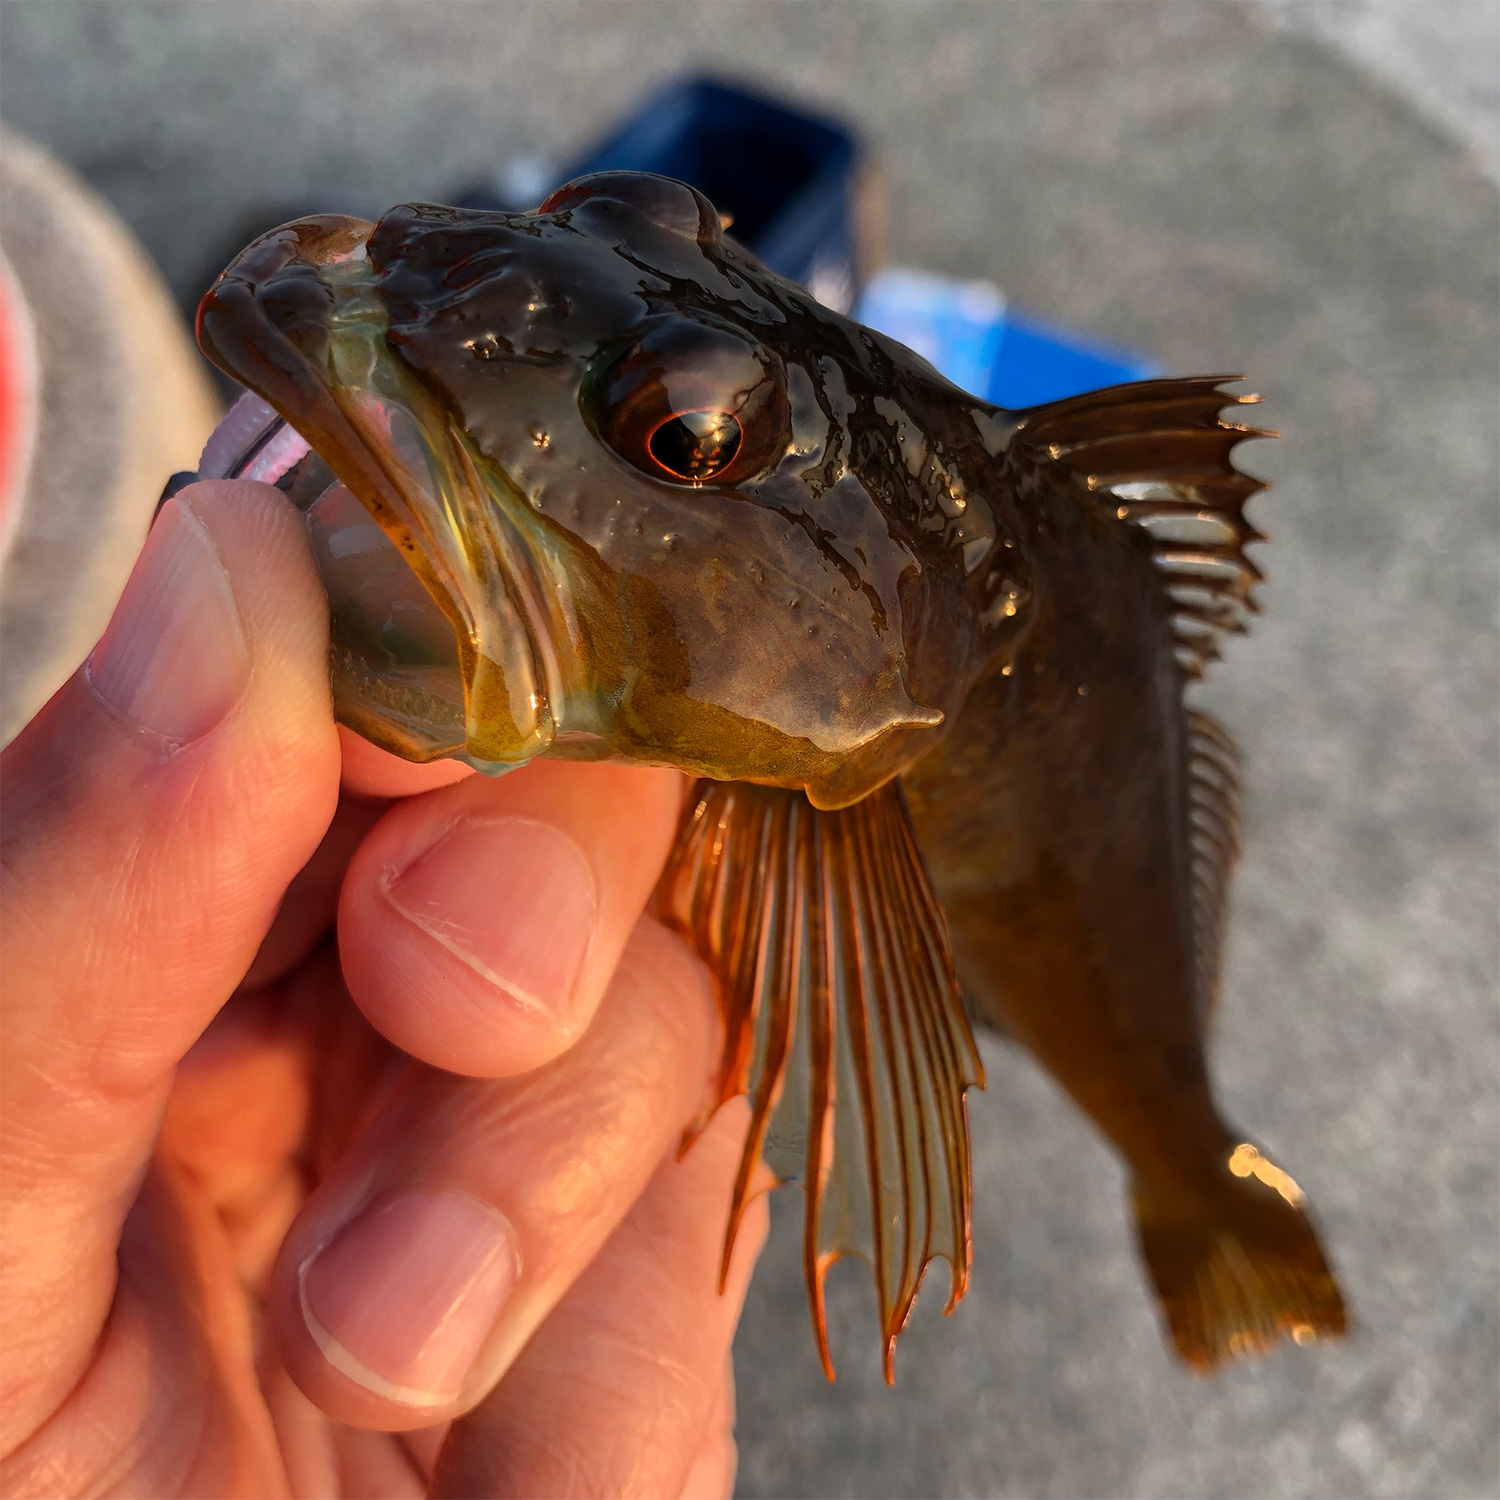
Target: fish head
658,504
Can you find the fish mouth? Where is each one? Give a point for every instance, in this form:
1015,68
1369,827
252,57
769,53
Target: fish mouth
297,320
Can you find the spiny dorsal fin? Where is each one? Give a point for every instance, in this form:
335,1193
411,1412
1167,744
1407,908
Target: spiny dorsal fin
1214,823
842,1021
1159,455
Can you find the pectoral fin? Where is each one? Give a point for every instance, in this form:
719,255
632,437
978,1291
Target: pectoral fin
842,1021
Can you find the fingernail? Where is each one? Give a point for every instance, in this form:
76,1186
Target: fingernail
402,1298
173,661
511,897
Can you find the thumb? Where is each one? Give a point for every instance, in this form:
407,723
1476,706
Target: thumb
155,811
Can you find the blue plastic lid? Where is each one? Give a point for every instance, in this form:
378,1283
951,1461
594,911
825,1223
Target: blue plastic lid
969,334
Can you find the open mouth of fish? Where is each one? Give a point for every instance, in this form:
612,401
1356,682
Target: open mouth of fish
447,593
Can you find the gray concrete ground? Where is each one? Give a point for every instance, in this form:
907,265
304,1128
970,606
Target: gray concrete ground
1443,55
1190,180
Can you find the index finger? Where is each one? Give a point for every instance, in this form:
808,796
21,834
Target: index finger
480,924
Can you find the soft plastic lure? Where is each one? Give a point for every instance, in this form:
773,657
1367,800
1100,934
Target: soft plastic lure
592,483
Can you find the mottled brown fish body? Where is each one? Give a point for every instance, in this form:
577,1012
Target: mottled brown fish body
1051,823
1084,882
634,497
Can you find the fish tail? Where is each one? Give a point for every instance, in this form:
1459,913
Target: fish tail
1240,1268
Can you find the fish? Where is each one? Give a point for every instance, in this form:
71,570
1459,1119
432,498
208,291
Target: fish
591,483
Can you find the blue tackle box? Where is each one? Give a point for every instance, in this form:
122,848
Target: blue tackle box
792,179
786,177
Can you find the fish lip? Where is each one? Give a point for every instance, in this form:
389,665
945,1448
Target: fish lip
495,552
525,588
500,500
269,355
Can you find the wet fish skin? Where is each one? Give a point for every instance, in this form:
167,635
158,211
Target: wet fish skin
928,644
1059,832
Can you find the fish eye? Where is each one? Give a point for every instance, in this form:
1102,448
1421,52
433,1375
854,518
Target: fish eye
696,445
691,404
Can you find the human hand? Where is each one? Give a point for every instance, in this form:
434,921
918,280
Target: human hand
256,1240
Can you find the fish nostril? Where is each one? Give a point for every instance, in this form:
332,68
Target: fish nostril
298,303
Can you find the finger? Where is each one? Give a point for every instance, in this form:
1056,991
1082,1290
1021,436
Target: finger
371,777
307,911
325,1458
155,812
623,1387
169,1404
372,772
430,1254
249,1114
711,1476
236,1120
480,924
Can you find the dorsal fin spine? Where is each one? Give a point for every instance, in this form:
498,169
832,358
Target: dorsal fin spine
1159,453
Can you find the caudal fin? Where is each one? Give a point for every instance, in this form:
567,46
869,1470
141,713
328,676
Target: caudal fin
1241,1269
